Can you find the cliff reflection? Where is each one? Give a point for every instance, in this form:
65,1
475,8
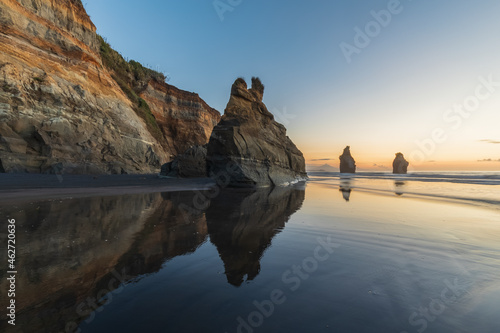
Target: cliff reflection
72,252
242,224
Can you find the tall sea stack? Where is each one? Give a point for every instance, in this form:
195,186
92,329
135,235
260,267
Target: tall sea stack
249,146
347,163
400,165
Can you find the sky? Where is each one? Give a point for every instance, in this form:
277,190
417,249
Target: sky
419,77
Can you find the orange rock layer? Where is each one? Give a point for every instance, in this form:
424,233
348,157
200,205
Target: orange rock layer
62,112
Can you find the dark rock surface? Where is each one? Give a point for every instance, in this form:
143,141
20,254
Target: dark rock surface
347,163
400,165
191,164
250,138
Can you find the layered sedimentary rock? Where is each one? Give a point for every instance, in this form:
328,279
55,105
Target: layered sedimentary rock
400,164
191,164
62,109
347,163
183,117
249,145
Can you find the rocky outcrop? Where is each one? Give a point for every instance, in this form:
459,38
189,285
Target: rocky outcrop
347,163
400,164
63,109
252,142
191,164
183,117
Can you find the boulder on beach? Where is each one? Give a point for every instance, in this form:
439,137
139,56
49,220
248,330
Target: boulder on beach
190,164
347,163
249,146
400,165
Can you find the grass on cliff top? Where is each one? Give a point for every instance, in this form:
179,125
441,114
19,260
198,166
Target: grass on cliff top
132,77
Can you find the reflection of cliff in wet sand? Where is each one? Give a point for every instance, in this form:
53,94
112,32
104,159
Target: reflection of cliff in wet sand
73,252
242,224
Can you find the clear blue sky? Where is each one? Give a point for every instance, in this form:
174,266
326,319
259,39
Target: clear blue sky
394,92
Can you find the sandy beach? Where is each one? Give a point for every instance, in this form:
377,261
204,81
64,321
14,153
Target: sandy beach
23,187
350,254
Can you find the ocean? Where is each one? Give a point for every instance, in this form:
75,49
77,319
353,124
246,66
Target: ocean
369,252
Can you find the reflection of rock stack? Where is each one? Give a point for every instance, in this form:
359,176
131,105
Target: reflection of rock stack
347,163
399,187
400,165
345,188
242,223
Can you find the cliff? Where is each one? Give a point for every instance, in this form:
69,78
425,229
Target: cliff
184,118
65,109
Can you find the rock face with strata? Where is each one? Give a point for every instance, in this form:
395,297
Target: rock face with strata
191,164
63,111
184,118
347,163
252,143
400,164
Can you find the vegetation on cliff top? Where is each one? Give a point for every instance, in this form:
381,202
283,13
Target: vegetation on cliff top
132,77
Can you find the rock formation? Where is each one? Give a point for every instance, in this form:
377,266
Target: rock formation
347,163
191,164
400,165
70,104
251,140
183,117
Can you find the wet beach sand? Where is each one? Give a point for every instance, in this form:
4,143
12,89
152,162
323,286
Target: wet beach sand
335,254
22,187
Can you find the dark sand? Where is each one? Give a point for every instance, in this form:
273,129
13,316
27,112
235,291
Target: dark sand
22,187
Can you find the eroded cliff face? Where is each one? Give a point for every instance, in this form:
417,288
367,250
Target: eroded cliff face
62,111
183,117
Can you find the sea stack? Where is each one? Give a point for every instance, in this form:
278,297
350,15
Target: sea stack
400,165
347,163
249,147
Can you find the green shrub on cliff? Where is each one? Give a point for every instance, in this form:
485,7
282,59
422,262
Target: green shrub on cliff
132,77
